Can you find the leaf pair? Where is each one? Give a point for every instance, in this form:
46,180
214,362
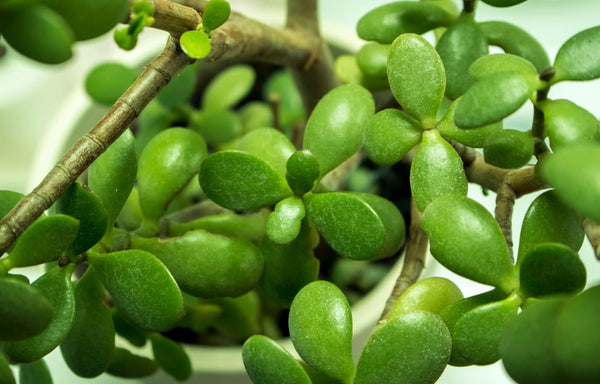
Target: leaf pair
196,44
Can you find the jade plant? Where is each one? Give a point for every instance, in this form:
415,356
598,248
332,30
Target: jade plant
237,204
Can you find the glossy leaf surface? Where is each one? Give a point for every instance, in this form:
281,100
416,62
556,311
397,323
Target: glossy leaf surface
501,62
302,170
141,287
270,145
215,14
430,295
35,373
508,148
390,135
126,364
108,81
170,356
321,329
228,88
284,222
18,321
567,124
579,57
195,44
475,138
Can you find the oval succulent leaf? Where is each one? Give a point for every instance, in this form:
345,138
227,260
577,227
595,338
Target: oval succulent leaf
126,364
436,170
508,148
228,88
335,128
207,265
195,44
170,356
347,69
390,135
241,181
475,138
239,318
572,170
302,170
413,349
284,222
8,199
141,287
385,23
6,374
372,59
320,324
215,14
430,295
252,226
270,145
36,372
501,62
417,77
56,286
268,363
108,81
567,124
217,127
18,321
579,57
493,98
466,239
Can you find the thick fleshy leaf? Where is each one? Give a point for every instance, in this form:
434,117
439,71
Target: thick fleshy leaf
268,363
239,318
516,41
302,170
385,23
579,57
128,331
551,268
126,364
430,295
413,349
503,3
466,239
252,226
180,89
335,128
141,287
44,241
89,346
241,181
459,47
372,59
215,14
207,265
18,321
270,145
476,335
417,77
112,175
567,124
228,88
131,216
490,64
573,170
291,107
436,170
195,44
85,206
8,199
493,98
347,69
56,286
108,81
549,220
35,373
166,165
170,356
357,226
217,127
321,329
6,374
475,138
390,135
284,222
508,148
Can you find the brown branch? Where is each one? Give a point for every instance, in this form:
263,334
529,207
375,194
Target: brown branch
592,231
505,202
173,17
414,261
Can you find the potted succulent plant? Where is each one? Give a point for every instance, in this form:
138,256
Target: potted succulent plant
173,231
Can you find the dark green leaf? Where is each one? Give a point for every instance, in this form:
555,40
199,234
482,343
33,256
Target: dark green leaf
508,148
35,373
6,374
217,127
126,364
8,199
228,88
390,135
170,356
302,170
430,295
503,3
270,145
179,91
567,124
284,222
491,64
18,321
372,59
240,317
195,44
579,58
108,81
128,331
215,14
475,138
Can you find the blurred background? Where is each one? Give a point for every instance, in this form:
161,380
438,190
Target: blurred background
38,102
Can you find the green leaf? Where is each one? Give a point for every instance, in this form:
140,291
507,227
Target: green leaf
549,220
270,145
579,57
567,124
47,39
466,239
284,222
437,170
335,127
6,374
124,39
35,373
412,349
386,22
257,114
89,346
390,135
475,138
321,329
347,69
493,98
357,226
128,331
56,286
170,356
207,265
372,59
180,89
573,170
241,181
217,127
315,376
141,287
503,3
240,317
44,241
476,335
107,82
501,62
195,44
508,148
430,295
126,364
268,363
551,268
291,107
516,41
130,217
302,170
167,164
85,206
228,88
252,226
417,77
18,321
8,199
216,12
459,47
